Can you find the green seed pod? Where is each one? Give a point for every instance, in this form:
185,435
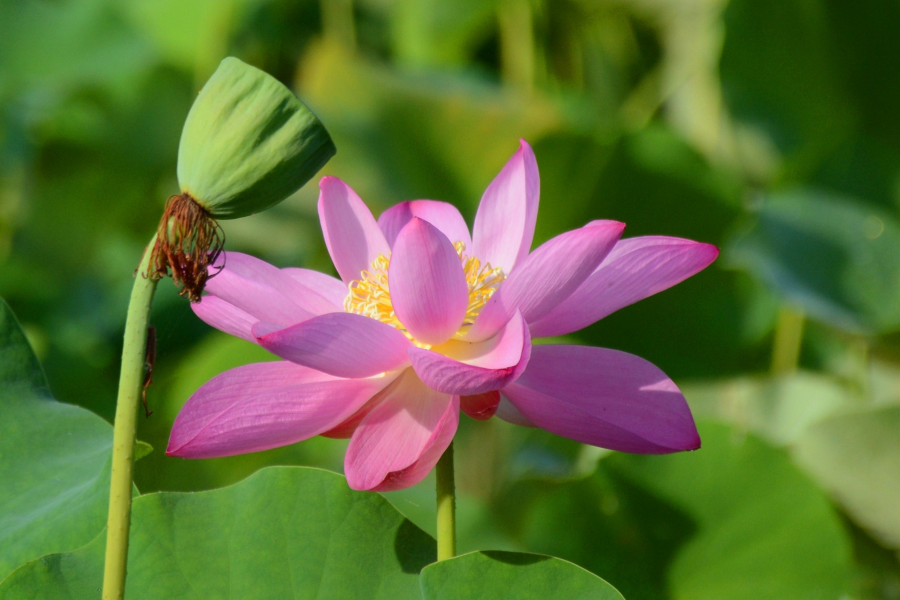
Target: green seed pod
248,143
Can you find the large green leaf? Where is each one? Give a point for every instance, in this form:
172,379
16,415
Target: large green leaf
285,532
53,460
838,260
764,529
856,456
492,575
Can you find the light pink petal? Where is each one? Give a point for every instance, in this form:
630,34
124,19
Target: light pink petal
351,233
635,269
504,223
225,317
401,438
604,398
262,406
428,287
258,289
263,291
328,287
548,276
340,344
467,368
442,215
480,406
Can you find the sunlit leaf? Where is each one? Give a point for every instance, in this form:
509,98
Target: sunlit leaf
54,460
285,532
490,575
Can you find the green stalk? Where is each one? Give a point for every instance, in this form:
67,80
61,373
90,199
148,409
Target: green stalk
338,22
517,47
788,341
131,378
446,506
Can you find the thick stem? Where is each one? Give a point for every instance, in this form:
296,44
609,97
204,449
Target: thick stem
338,22
516,44
131,379
446,506
788,341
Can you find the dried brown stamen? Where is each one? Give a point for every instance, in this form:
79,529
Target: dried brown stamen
188,241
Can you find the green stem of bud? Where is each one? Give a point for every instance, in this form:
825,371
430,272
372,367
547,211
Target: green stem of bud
131,379
446,506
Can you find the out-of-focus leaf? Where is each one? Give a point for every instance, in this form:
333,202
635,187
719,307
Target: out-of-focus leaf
491,575
57,46
285,532
439,32
192,35
838,260
856,456
764,529
779,410
404,136
778,79
54,460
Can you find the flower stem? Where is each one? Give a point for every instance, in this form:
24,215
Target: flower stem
130,382
788,340
446,506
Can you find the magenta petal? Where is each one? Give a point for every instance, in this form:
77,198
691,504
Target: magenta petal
548,276
428,287
351,233
474,368
635,269
401,439
225,317
504,223
332,289
340,344
604,398
442,215
262,406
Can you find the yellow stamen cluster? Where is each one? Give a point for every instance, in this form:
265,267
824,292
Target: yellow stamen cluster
370,295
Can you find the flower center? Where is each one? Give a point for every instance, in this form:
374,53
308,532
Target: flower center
370,295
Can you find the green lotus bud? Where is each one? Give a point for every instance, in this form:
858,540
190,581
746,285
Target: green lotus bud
247,144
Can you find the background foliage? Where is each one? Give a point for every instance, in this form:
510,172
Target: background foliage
767,127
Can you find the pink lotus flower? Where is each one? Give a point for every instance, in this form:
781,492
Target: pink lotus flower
428,321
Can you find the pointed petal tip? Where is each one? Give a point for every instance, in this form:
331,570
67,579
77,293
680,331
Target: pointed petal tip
328,180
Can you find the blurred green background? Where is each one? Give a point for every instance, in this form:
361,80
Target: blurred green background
767,127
